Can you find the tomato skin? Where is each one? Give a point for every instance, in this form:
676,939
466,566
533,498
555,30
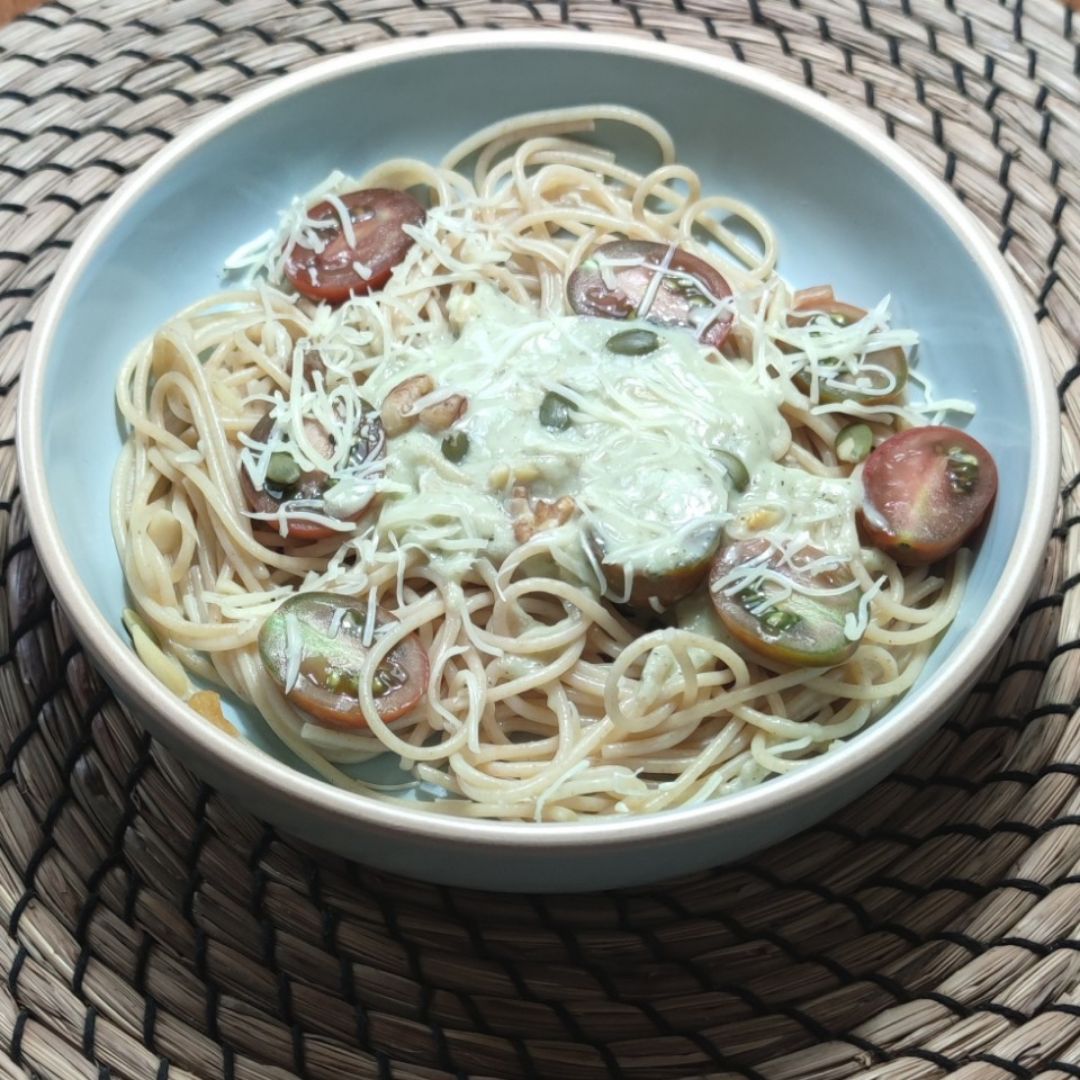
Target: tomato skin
316,612
819,300
588,295
925,491
665,587
815,636
377,216
311,484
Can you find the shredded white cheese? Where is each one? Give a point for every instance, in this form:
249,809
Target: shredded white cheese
294,651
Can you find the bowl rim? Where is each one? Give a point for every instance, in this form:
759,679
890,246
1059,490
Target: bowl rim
322,802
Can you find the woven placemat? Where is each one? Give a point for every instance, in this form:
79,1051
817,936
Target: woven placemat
153,930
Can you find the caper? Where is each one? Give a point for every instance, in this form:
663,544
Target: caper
854,443
736,470
633,343
962,471
455,446
283,469
555,412
379,685
777,621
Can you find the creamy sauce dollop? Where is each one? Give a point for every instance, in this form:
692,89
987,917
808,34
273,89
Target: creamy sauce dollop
643,454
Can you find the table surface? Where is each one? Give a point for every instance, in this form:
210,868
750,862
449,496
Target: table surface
149,927
10,8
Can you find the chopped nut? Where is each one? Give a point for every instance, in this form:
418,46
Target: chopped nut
551,513
498,477
539,514
440,416
396,408
526,474
763,518
518,505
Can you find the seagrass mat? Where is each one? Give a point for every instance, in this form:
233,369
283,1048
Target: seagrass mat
153,930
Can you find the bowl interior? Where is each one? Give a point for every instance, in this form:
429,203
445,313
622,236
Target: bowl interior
841,214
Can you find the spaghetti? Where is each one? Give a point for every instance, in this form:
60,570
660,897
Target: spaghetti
621,564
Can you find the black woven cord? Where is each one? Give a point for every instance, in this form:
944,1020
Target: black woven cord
17,1030
660,1023
412,955
329,922
13,974
89,1033
269,951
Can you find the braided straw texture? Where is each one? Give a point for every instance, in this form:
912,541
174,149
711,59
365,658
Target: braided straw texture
153,930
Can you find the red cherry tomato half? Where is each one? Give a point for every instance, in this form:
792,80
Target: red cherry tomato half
334,272
802,622
328,639
685,296
925,491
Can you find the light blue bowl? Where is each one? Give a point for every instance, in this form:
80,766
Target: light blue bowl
848,207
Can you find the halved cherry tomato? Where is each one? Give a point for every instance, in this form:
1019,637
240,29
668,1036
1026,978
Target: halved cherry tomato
665,586
286,483
865,386
925,491
333,272
322,634
686,293
799,620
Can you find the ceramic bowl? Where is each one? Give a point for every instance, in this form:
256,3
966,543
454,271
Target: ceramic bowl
848,206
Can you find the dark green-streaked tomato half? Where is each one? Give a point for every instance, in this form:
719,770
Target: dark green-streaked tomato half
798,620
286,483
925,491
313,648
614,281
885,372
657,587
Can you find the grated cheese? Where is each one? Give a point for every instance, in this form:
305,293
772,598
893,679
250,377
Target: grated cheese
369,621
250,254
855,624
655,281
294,651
